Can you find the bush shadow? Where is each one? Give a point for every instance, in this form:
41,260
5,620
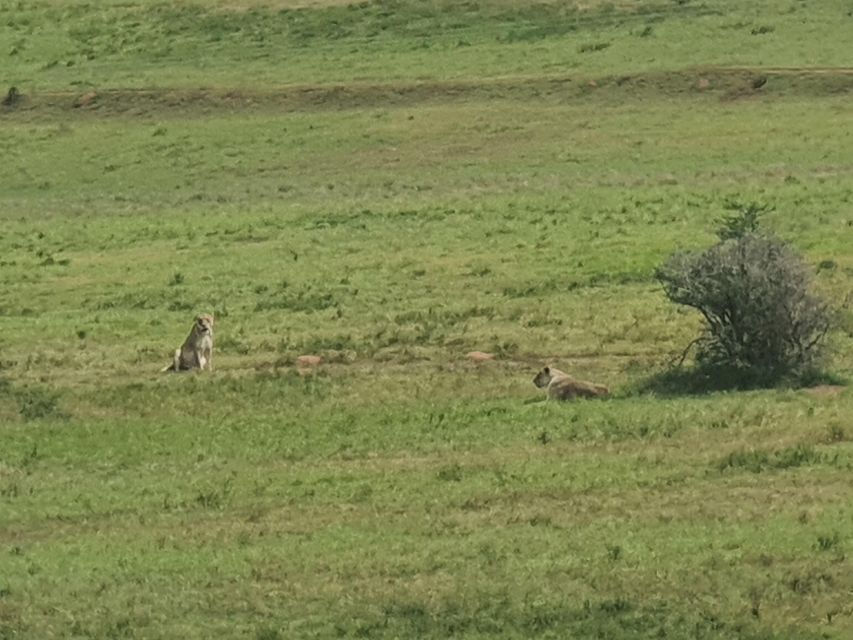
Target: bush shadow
698,380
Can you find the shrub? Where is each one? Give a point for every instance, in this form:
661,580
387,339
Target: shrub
762,322
744,220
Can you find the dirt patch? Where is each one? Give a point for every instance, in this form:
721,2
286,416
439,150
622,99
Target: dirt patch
825,390
86,100
277,5
307,361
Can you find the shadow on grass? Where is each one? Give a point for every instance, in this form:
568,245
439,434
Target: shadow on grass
33,402
503,617
702,380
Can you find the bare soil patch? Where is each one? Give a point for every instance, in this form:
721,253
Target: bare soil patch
825,390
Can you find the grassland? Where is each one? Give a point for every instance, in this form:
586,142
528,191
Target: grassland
391,185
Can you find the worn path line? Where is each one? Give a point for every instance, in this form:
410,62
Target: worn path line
696,80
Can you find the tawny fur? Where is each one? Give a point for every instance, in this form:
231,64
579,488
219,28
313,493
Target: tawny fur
197,350
562,386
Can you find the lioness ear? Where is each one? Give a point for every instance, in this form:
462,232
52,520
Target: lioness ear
546,370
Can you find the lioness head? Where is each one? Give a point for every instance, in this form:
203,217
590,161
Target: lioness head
543,378
204,323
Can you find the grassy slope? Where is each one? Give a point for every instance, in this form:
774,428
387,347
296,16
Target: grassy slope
146,44
479,179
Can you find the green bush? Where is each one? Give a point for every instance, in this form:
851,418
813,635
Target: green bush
762,321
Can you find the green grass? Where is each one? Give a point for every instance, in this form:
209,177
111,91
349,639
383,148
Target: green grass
391,185
145,44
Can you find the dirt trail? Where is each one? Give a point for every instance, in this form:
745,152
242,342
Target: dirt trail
727,83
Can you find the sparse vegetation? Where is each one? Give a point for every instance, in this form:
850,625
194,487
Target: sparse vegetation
745,220
391,185
757,461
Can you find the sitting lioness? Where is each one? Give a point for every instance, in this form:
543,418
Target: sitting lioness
562,386
197,350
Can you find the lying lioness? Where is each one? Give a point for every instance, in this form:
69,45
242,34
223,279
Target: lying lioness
197,350
562,386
